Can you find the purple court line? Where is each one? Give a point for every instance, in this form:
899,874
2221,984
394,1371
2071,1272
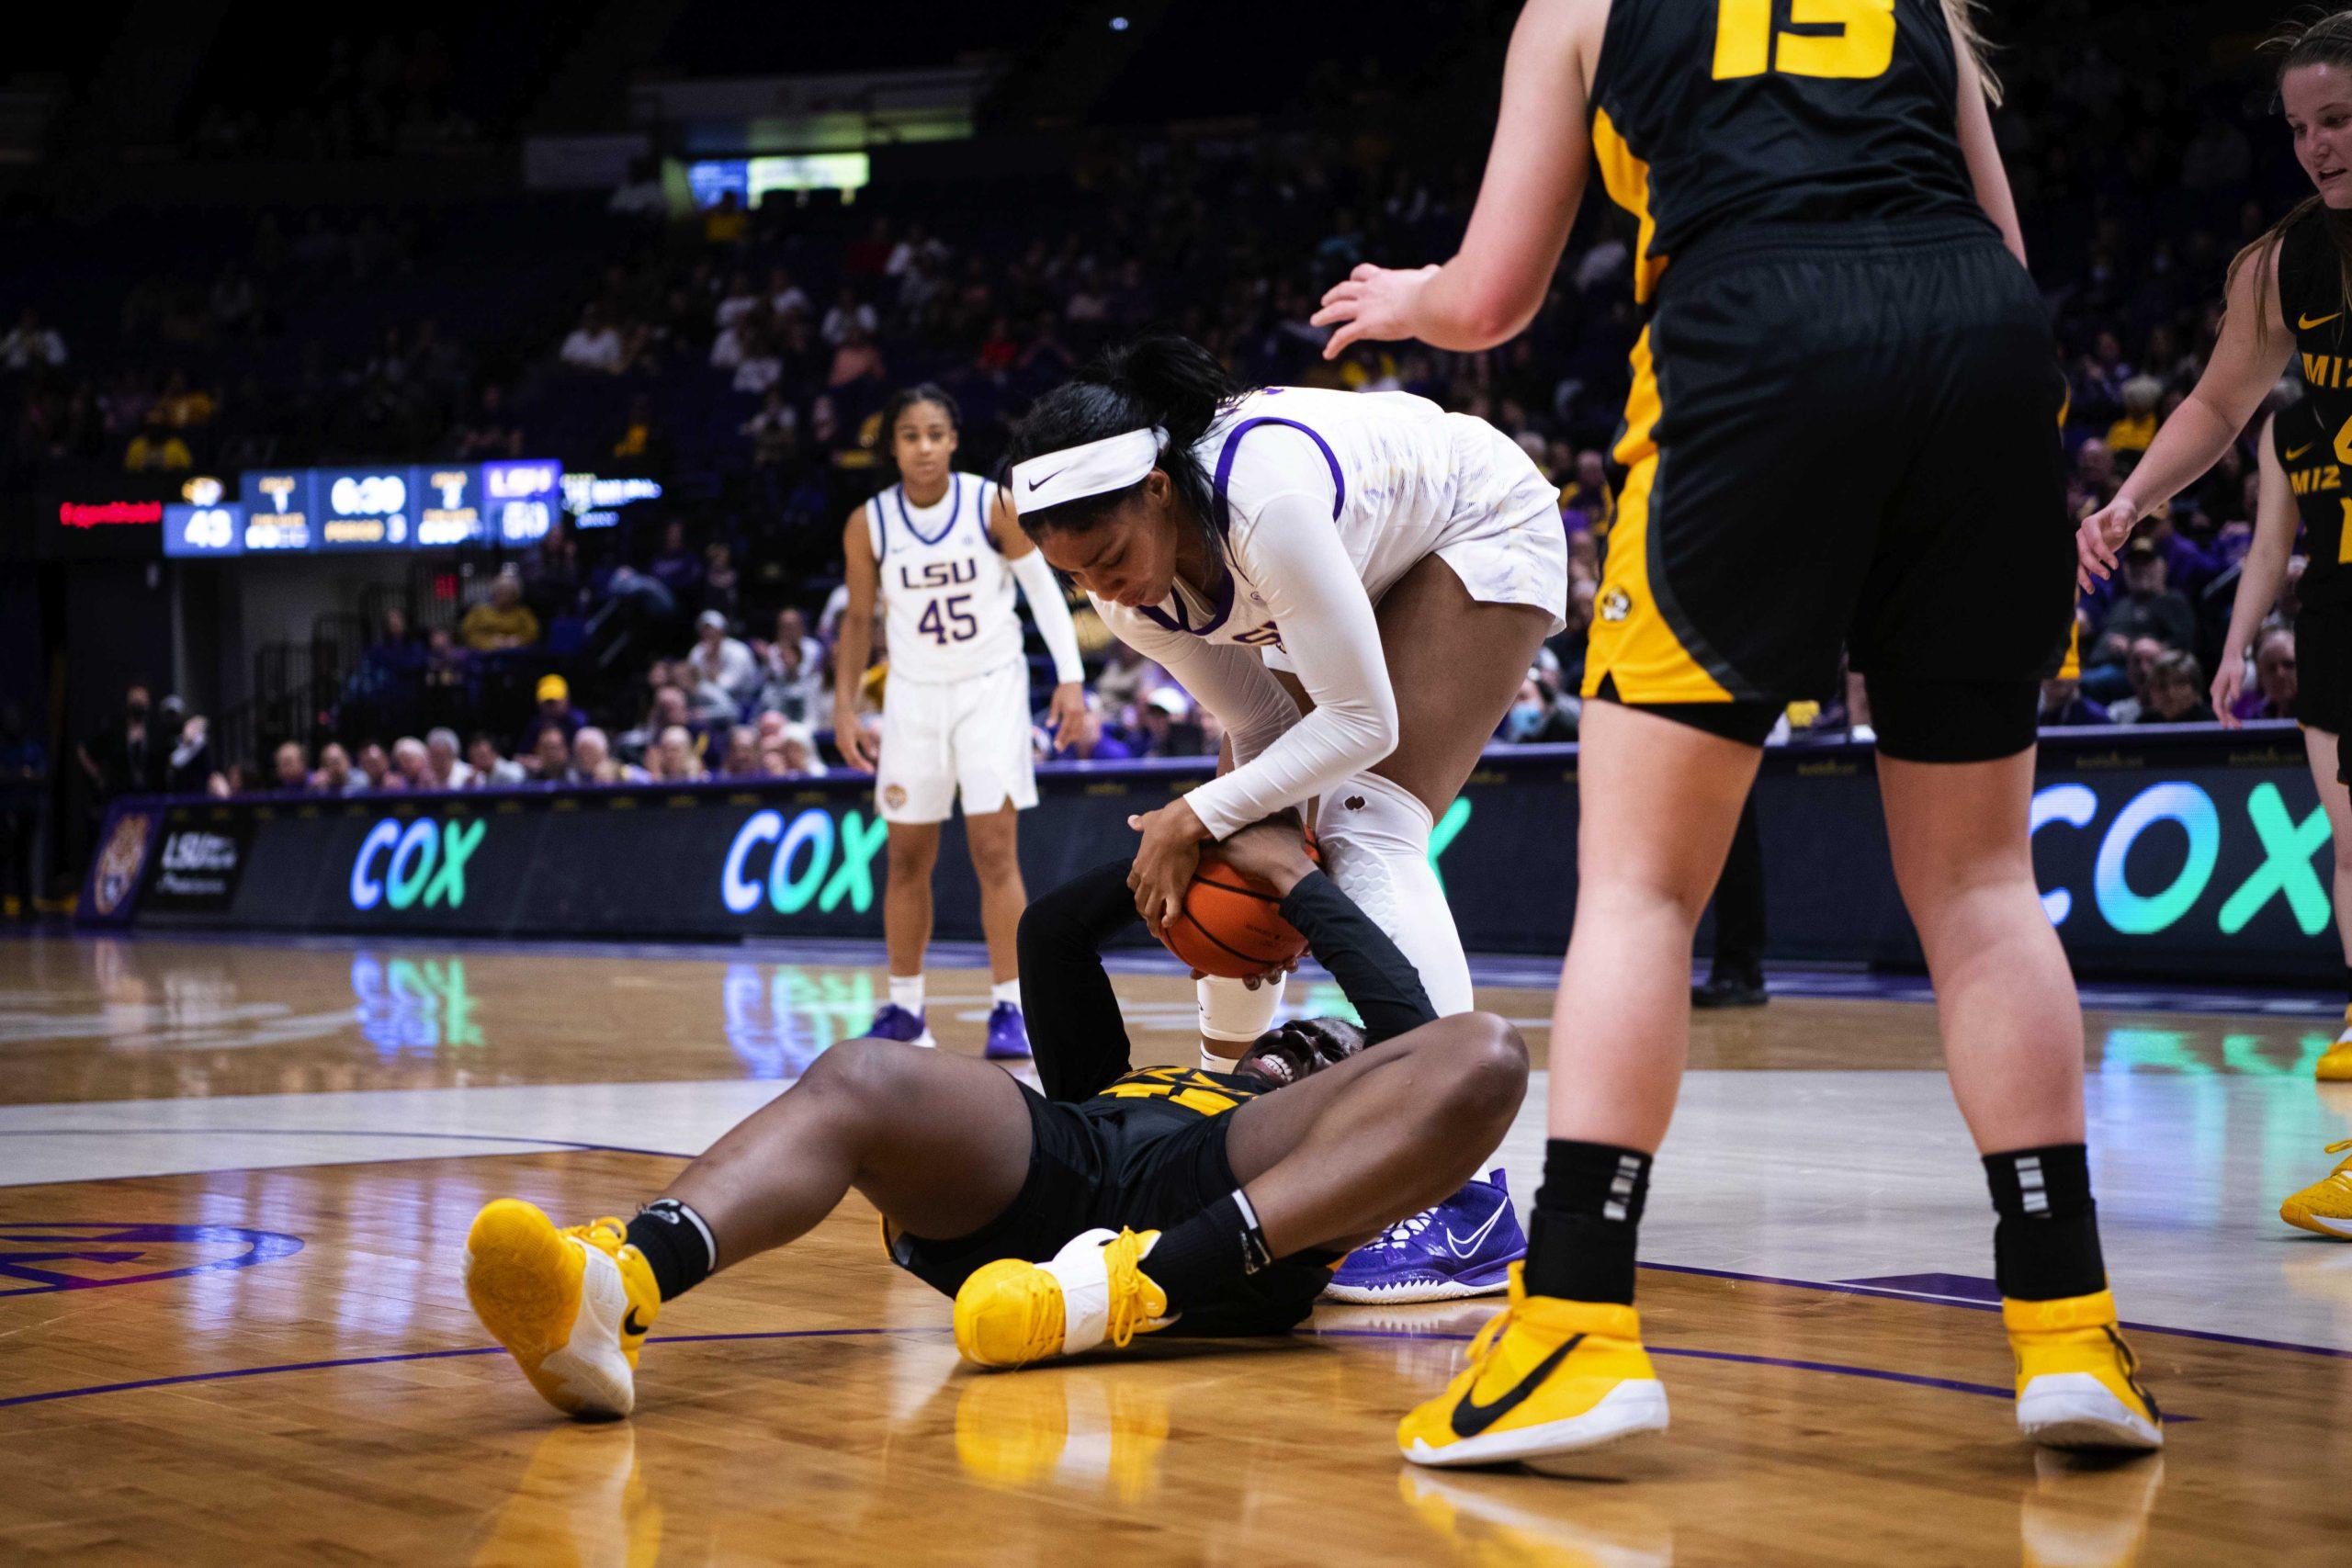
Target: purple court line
418,1355
324,1132
1834,1368
1841,1369
1884,1294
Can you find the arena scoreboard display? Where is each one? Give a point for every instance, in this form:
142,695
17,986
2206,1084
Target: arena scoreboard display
423,506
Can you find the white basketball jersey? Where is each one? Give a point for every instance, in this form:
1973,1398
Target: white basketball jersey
947,588
1385,464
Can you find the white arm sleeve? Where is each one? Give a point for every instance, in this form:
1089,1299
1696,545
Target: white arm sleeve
1223,677
1292,553
1044,596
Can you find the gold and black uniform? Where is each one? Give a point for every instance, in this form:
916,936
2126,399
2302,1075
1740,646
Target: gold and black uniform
1843,429
2306,449
1112,1147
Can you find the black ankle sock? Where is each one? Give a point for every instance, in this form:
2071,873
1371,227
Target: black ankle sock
2045,1244
676,1242
1212,1249
1588,1216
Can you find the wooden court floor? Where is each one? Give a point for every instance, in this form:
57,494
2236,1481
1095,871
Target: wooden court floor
234,1181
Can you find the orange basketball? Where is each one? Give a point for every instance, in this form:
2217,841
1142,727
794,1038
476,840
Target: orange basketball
1232,924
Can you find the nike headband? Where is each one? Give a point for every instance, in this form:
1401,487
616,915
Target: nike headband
1096,468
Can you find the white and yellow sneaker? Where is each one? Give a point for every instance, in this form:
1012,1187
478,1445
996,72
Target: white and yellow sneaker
2325,1206
2077,1381
572,1307
1012,1312
2336,1062
1546,1377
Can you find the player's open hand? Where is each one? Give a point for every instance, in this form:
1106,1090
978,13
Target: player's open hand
1375,302
1073,722
2101,536
1165,862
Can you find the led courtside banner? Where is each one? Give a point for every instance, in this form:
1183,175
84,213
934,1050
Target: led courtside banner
2187,854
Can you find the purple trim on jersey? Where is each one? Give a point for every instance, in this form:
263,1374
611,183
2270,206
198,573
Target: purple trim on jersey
906,520
988,517
1177,623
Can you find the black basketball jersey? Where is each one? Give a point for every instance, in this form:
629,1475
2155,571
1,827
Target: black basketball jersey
1708,115
2306,448
2310,297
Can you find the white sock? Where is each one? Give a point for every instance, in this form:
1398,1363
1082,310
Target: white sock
1007,992
1376,848
906,991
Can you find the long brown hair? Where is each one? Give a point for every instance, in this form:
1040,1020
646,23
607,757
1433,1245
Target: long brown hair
2327,41
1961,16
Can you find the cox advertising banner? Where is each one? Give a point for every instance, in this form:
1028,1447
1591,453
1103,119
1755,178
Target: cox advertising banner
2203,857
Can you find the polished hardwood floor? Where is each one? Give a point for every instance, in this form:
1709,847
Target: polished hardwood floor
234,1181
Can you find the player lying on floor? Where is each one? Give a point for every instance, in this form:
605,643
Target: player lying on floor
1213,1202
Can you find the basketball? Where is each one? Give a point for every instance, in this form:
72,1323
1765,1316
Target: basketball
1232,925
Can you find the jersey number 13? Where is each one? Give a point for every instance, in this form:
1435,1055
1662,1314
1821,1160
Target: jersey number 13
1861,46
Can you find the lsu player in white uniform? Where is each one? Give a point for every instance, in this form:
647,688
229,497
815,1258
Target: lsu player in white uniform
942,552
1355,584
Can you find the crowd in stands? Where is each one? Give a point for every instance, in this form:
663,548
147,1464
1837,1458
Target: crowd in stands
744,356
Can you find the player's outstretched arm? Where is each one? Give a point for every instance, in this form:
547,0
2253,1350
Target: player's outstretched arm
1075,1031
2247,357
1535,175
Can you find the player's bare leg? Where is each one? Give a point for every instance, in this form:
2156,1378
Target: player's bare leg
911,853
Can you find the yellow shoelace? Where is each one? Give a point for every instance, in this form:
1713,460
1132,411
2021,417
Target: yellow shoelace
1482,1344
1123,1253
2343,1173
618,1232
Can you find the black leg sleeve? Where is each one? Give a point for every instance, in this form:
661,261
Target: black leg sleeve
1377,977
1074,1027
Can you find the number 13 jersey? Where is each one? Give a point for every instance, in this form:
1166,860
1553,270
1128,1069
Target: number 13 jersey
1712,115
947,590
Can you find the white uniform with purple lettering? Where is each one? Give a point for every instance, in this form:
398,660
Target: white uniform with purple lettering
955,710
1329,498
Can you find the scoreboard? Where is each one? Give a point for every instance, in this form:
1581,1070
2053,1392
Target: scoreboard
424,506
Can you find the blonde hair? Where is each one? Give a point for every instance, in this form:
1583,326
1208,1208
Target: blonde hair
1969,39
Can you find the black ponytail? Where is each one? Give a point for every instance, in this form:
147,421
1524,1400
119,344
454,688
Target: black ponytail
1160,379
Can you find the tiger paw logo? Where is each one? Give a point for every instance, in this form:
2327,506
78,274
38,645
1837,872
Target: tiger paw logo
121,861
1354,803
1616,605
895,797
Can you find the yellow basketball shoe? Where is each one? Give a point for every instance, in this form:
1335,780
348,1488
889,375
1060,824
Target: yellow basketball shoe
2336,1062
570,1306
2077,1381
2324,1206
1546,1377
1012,1312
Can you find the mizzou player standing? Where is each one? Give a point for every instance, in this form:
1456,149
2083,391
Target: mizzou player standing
941,553
1842,433
2290,294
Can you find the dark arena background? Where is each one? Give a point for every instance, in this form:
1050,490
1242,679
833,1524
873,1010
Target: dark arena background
426,436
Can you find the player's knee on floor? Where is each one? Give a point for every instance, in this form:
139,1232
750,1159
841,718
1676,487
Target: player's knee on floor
1375,837
1922,719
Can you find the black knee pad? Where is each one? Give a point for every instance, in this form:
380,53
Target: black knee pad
1923,719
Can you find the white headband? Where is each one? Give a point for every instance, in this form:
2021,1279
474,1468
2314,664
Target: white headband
1096,468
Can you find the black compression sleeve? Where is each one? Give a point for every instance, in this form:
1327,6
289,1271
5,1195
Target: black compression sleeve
1074,1027
1378,978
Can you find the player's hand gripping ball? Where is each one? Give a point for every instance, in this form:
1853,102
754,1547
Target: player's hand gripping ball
1231,925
